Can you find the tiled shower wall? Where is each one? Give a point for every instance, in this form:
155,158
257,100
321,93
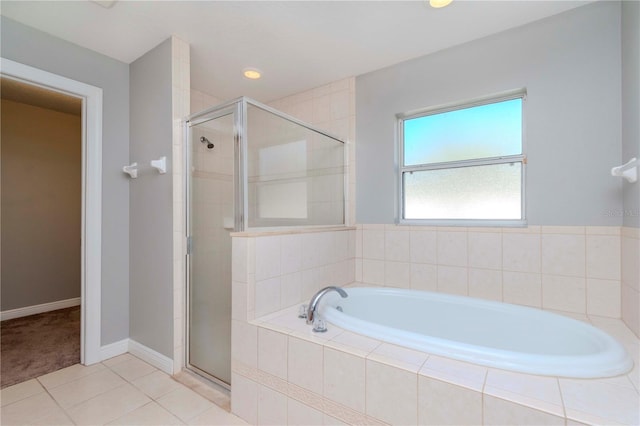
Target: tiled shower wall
573,269
331,108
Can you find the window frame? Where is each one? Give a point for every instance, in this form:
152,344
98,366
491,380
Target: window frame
440,109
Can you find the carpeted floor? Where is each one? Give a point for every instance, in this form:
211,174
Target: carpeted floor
39,344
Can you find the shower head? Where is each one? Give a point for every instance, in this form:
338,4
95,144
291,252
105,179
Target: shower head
205,140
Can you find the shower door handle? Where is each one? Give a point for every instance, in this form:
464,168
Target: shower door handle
189,244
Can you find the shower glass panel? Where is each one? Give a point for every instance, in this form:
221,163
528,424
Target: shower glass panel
295,175
249,167
211,219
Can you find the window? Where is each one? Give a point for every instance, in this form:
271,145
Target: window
463,164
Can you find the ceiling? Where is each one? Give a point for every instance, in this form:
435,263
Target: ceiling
17,91
298,45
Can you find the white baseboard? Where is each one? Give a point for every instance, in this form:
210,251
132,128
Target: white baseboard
38,309
141,351
154,358
114,349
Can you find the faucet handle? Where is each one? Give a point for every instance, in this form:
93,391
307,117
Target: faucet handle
319,325
302,311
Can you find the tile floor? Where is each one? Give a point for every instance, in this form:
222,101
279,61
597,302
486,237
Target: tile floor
120,391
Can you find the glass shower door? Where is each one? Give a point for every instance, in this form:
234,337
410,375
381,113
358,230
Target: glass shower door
210,221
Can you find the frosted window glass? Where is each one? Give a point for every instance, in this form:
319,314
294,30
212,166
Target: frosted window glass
484,131
478,192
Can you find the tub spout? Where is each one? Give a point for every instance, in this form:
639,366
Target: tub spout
313,305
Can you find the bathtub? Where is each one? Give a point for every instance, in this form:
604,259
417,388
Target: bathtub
488,333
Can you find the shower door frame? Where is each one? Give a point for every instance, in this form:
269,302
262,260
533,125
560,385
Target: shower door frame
238,110
238,107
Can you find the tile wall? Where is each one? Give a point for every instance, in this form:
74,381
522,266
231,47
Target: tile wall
331,108
282,374
631,278
572,269
181,86
292,173
285,374
275,271
201,101
272,272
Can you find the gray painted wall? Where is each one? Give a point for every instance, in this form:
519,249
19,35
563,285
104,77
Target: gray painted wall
37,49
570,65
631,105
151,215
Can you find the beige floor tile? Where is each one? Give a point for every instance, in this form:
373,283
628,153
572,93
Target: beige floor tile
185,403
214,393
132,369
68,374
85,388
150,414
108,406
29,410
118,359
156,384
23,390
216,416
56,418
217,396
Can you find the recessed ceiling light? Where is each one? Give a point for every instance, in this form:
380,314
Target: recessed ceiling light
439,3
252,73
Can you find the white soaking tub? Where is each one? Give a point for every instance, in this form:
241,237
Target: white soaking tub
488,333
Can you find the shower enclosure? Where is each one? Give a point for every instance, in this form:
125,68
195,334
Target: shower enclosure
250,168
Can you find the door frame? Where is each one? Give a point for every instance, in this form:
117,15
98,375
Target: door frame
91,225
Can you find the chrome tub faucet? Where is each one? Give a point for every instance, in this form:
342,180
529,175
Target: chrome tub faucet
313,306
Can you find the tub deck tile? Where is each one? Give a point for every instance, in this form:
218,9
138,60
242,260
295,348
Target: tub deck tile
546,400
354,344
541,393
398,356
459,373
585,400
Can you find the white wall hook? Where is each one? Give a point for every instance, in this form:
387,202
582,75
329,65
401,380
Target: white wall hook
628,171
131,170
160,164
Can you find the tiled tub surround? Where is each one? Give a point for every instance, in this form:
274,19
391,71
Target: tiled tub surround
272,271
631,278
285,374
571,269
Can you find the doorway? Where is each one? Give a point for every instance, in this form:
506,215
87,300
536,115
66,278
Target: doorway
41,224
91,195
